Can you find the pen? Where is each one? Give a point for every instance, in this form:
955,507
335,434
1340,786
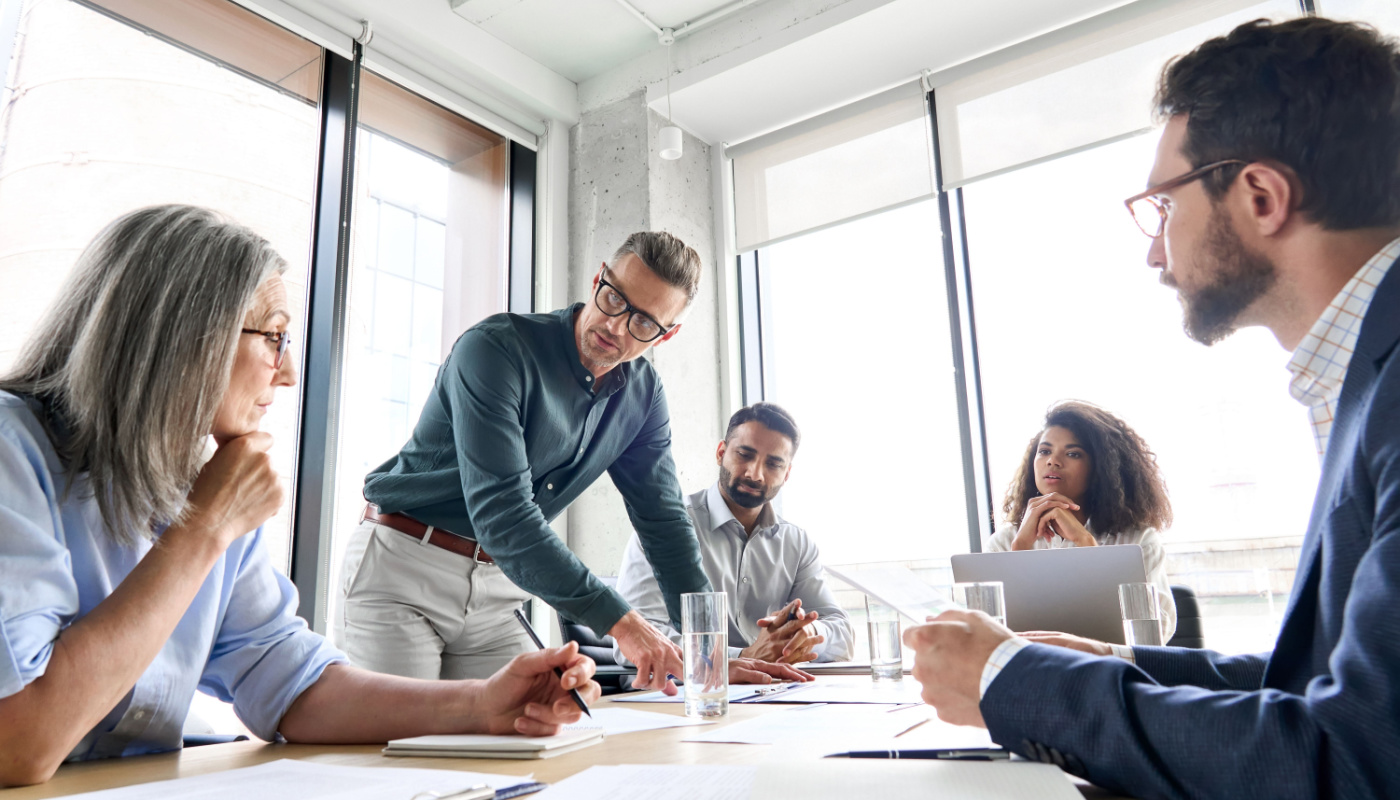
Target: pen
578,699
946,755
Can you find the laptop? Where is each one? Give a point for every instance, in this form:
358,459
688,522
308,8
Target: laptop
1071,589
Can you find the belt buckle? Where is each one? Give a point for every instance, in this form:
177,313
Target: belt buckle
476,553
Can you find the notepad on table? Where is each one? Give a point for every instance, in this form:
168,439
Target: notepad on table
484,746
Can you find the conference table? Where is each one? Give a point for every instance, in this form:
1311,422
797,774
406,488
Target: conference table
652,747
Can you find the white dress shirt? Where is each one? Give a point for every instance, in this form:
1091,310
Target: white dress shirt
760,574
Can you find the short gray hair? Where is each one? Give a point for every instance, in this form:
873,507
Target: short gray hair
670,258
133,358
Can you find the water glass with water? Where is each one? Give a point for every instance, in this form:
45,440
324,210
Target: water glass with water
886,659
989,597
705,642
1142,614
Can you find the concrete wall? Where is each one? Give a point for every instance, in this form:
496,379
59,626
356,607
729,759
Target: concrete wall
618,185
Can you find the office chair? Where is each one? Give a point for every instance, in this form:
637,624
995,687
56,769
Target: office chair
1189,630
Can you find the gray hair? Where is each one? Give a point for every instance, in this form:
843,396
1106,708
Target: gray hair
670,258
133,358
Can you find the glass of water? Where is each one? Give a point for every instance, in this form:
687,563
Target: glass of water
988,597
886,659
705,635
1142,614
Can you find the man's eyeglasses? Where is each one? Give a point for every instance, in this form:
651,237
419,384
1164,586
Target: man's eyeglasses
277,340
642,326
1150,213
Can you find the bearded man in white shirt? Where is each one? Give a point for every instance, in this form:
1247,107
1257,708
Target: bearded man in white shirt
780,608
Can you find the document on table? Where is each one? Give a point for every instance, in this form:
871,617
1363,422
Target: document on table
897,587
849,689
658,781
841,728
842,779
617,721
736,694
839,668
307,781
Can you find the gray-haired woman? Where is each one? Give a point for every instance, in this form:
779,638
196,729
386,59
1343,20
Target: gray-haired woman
128,574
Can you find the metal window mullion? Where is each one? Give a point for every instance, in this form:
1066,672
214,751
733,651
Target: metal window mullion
750,328
523,168
326,307
963,340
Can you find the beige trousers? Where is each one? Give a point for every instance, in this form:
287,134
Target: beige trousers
419,611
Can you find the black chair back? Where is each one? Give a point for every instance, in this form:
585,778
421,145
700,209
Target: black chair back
613,677
1189,630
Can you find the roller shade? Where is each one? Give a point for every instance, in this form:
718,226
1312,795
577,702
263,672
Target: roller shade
1080,86
865,157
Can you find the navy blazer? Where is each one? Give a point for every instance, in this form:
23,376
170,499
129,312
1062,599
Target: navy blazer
1320,716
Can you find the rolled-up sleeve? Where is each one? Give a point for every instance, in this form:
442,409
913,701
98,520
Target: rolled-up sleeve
38,595
645,476
264,656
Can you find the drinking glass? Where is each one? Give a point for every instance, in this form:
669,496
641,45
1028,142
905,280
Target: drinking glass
988,597
705,640
1142,614
886,660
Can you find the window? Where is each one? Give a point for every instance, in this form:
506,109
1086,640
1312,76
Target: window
102,117
429,260
1067,308
855,341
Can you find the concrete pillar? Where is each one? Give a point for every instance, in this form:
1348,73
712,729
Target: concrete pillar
618,185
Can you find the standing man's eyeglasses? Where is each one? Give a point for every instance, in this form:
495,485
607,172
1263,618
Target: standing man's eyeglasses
1150,213
277,340
642,326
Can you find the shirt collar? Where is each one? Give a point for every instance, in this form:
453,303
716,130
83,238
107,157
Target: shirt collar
720,513
610,383
1319,364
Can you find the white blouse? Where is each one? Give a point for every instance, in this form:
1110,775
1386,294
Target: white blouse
1154,561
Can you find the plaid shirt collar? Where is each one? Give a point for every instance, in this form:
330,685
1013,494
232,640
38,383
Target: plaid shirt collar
1319,364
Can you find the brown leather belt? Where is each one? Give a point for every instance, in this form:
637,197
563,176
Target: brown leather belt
437,537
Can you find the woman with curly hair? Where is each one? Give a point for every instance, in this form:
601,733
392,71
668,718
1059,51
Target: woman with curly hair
1088,479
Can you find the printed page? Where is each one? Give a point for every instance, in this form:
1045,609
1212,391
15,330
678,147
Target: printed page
840,728
656,782
617,721
843,779
307,781
897,587
849,689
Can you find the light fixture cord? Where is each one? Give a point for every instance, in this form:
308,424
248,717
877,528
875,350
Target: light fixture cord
668,83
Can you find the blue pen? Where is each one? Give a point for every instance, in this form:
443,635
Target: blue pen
945,755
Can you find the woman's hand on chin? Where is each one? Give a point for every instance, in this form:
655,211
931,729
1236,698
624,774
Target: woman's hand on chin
236,491
1058,521
1031,524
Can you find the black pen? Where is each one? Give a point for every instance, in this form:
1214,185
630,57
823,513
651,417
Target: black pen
945,755
578,698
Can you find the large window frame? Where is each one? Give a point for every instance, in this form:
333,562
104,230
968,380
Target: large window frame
756,363
328,279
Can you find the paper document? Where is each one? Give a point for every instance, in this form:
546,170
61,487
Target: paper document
616,721
841,728
897,587
839,668
842,779
658,782
736,693
307,781
849,689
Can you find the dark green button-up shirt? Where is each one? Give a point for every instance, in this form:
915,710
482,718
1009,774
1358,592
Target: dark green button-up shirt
514,431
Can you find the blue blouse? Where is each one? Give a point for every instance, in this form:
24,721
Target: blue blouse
240,640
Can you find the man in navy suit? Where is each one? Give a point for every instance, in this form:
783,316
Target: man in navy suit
1274,202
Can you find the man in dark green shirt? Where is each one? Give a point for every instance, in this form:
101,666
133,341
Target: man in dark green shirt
525,414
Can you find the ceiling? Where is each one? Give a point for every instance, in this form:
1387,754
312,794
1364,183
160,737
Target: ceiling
580,39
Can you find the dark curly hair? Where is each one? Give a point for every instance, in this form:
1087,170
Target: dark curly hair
1126,491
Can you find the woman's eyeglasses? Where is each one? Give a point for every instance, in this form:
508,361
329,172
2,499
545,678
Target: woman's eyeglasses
277,340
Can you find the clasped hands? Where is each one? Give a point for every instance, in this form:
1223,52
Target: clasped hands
1048,516
785,636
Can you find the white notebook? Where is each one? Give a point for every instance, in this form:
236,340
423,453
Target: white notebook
484,746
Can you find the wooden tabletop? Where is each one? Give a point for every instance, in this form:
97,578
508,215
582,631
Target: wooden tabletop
652,747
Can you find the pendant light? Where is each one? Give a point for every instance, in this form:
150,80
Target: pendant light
669,143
